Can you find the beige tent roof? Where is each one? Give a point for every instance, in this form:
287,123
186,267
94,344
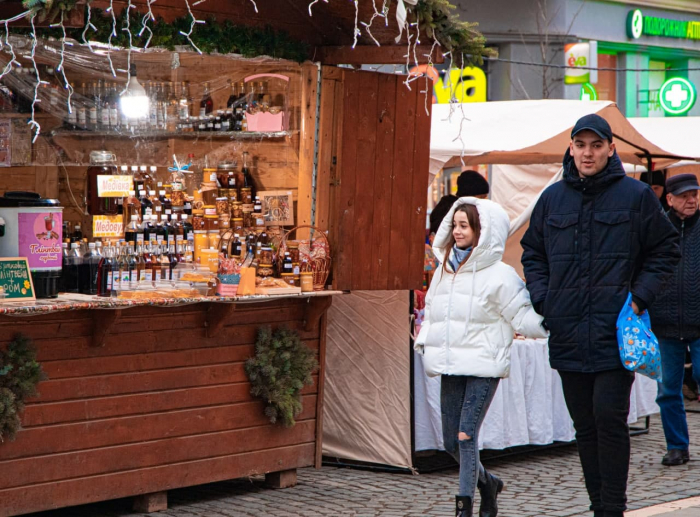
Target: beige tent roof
528,132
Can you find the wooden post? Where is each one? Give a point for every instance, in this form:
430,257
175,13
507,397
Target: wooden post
147,503
281,479
309,103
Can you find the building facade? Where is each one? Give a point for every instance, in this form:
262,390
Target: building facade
653,44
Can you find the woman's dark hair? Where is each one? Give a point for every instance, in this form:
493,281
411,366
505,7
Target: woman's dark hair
474,223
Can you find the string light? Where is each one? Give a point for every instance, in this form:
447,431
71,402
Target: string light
112,34
195,21
88,25
357,32
144,21
33,122
127,29
312,4
255,5
61,68
377,14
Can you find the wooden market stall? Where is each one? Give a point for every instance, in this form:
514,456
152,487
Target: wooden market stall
149,394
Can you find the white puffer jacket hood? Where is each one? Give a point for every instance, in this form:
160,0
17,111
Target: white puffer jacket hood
471,315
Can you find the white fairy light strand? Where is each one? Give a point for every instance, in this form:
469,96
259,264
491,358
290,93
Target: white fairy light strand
312,4
88,25
377,14
195,21
13,56
254,5
127,29
60,67
112,34
144,21
33,122
357,32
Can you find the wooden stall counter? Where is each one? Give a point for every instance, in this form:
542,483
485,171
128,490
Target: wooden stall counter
144,396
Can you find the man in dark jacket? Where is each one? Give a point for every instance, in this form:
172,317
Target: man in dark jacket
594,237
675,317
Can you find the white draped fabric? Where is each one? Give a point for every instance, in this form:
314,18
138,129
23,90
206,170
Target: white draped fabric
528,408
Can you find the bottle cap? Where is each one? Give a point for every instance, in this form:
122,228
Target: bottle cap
74,245
151,192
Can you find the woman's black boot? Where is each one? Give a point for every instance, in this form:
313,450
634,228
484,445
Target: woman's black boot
489,491
464,506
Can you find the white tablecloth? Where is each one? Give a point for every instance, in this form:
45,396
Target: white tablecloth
528,408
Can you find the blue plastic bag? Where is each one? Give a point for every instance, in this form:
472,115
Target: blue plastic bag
639,347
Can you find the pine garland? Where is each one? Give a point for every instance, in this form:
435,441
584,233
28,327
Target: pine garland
19,375
282,366
49,9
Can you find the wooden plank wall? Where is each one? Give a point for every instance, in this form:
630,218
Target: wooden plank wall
159,406
380,187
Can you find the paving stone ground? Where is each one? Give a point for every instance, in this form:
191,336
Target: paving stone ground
539,484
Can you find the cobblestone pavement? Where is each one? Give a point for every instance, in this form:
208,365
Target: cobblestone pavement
542,483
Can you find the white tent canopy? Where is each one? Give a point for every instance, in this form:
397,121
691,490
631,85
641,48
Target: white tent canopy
528,132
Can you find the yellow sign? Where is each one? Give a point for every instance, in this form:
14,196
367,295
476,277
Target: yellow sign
107,226
456,85
114,186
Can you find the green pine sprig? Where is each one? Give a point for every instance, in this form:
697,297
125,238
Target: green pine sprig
280,369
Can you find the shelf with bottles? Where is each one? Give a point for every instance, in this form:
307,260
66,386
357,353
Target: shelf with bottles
168,135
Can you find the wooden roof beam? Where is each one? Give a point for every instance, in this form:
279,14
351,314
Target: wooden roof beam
375,55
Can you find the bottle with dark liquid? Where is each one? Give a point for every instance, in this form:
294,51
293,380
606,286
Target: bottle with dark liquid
233,97
102,163
236,247
146,204
206,106
89,269
105,274
168,230
139,264
77,234
133,231
147,264
155,263
247,179
70,271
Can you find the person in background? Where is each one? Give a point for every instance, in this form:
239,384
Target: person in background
469,183
595,236
657,182
474,305
675,317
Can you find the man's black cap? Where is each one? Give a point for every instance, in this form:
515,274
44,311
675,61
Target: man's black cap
594,123
471,183
682,183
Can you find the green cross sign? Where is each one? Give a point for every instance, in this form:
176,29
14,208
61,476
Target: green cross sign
677,96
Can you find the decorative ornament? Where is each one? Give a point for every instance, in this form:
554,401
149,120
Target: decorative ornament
19,375
282,366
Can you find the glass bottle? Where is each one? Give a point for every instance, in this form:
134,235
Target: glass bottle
82,107
147,265
102,163
133,231
146,204
188,229
184,102
77,234
168,230
233,95
105,274
159,231
206,106
157,204
247,178
140,265
70,271
155,263
114,108
172,110
93,99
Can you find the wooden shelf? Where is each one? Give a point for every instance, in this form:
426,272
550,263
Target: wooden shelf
166,135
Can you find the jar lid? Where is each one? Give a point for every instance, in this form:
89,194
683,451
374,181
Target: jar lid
247,188
287,274
211,216
197,211
305,273
265,265
238,203
237,218
209,169
102,157
293,244
228,166
214,231
222,199
201,232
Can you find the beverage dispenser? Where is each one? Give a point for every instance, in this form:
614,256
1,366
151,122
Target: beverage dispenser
33,228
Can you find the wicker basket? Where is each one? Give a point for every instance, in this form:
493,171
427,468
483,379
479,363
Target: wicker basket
317,251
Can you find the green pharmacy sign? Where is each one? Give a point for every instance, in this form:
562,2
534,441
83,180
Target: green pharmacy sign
639,25
677,96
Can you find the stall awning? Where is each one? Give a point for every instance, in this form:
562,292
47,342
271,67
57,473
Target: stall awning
529,132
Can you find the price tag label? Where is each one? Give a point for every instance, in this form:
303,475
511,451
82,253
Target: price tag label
114,186
107,226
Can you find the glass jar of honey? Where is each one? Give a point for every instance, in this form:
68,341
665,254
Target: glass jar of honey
214,239
293,248
210,209
232,195
248,220
247,196
307,281
265,270
222,207
236,210
288,278
197,219
266,255
237,224
224,222
201,242
211,222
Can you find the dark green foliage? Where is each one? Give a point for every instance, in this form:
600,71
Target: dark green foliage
19,375
225,38
49,10
282,366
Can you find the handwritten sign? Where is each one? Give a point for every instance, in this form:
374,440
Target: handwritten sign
15,279
107,226
114,186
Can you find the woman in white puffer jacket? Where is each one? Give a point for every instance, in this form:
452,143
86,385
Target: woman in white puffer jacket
474,305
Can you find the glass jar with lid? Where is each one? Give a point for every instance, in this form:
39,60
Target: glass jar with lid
226,174
236,210
222,207
246,196
198,219
102,163
214,239
211,222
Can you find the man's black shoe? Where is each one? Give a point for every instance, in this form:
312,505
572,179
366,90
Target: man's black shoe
676,457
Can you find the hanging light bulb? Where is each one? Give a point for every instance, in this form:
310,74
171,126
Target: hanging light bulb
134,102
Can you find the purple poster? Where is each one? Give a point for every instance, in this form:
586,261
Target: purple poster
40,239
